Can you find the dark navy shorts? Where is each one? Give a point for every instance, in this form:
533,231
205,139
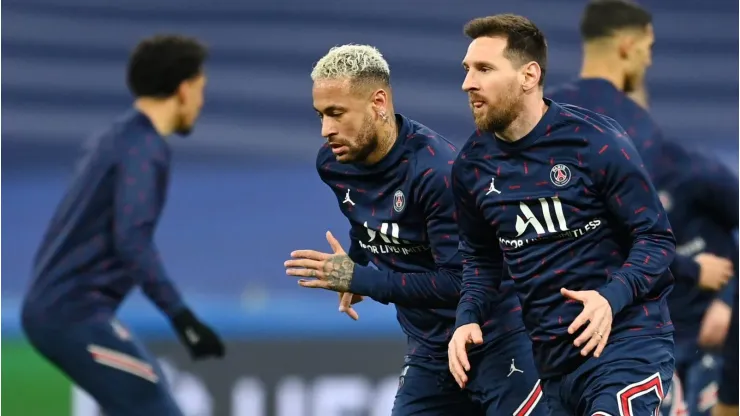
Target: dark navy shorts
502,381
630,378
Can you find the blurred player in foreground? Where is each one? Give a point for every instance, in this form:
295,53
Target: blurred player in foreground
617,51
100,245
391,177
577,223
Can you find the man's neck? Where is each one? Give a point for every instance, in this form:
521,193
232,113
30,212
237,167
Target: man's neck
598,65
525,122
386,139
159,112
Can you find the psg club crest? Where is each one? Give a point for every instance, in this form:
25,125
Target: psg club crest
560,175
399,201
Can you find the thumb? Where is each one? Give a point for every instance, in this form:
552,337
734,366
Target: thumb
476,336
333,243
571,294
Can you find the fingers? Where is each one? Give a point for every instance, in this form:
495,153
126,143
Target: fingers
305,268
345,305
352,314
462,354
345,301
604,339
457,356
476,337
314,284
592,336
572,294
587,315
305,263
318,274
580,320
727,270
726,265
310,254
456,370
596,335
335,246
451,364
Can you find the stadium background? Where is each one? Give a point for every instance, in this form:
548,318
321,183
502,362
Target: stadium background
244,192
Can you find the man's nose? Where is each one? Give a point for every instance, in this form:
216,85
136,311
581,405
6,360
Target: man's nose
469,83
328,127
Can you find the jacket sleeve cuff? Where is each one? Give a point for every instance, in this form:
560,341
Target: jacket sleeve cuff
617,294
466,316
368,281
686,268
727,294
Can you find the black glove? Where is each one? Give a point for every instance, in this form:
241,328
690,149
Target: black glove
200,340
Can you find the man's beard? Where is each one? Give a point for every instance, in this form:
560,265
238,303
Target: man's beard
500,116
629,84
184,131
367,142
183,128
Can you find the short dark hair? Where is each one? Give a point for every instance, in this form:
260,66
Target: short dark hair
159,64
602,18
525,42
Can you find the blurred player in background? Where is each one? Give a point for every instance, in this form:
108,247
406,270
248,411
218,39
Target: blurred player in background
617,50
700,193
100,244
700,196
618,37
728,383
391,178
577,223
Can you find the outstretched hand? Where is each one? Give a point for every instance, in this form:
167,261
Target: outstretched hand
329,271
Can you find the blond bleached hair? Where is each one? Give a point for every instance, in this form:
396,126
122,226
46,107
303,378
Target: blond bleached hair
356,63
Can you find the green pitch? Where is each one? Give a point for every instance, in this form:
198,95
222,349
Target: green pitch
30,385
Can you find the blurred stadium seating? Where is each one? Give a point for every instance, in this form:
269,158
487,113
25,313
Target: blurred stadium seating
244,193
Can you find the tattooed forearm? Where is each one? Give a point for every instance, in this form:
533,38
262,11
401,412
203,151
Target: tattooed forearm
338,270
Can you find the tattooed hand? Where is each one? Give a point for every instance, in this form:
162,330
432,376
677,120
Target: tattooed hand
338,271
331,271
